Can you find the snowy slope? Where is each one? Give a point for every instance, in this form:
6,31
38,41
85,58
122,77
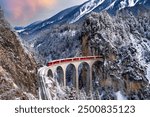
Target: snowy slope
76,13
87,8
125,36
59,17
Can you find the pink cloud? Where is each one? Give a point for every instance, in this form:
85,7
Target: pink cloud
22,10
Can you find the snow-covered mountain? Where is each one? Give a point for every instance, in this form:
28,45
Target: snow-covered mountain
119,31
123,40
76,13
41,35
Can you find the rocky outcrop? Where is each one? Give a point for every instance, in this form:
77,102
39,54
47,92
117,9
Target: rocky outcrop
17,67
123,40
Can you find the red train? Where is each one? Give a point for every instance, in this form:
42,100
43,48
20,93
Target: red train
72,59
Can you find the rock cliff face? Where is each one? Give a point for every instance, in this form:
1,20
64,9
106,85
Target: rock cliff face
17,67
123,40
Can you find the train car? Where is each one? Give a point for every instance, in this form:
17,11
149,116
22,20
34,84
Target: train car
66,60
49,64
73,59
76,59
87,58
98,57
83,58
56,62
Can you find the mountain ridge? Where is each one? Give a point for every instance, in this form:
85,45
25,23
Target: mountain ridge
76,13
122,38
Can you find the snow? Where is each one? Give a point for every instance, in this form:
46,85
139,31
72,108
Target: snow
123,4
30,96
120,96
47,86
73,32
91,5
38,45
64,33
148,72
110,6
87,8
138,47
132,2
70,32
61,17
39,93
32,45
42,70
51,22
15,86
59,90
19,31
43,24
148,66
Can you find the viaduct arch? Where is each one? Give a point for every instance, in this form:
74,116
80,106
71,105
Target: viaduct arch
76,62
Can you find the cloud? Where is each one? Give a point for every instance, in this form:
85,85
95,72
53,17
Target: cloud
23,10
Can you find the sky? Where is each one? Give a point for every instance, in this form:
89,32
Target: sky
24,12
